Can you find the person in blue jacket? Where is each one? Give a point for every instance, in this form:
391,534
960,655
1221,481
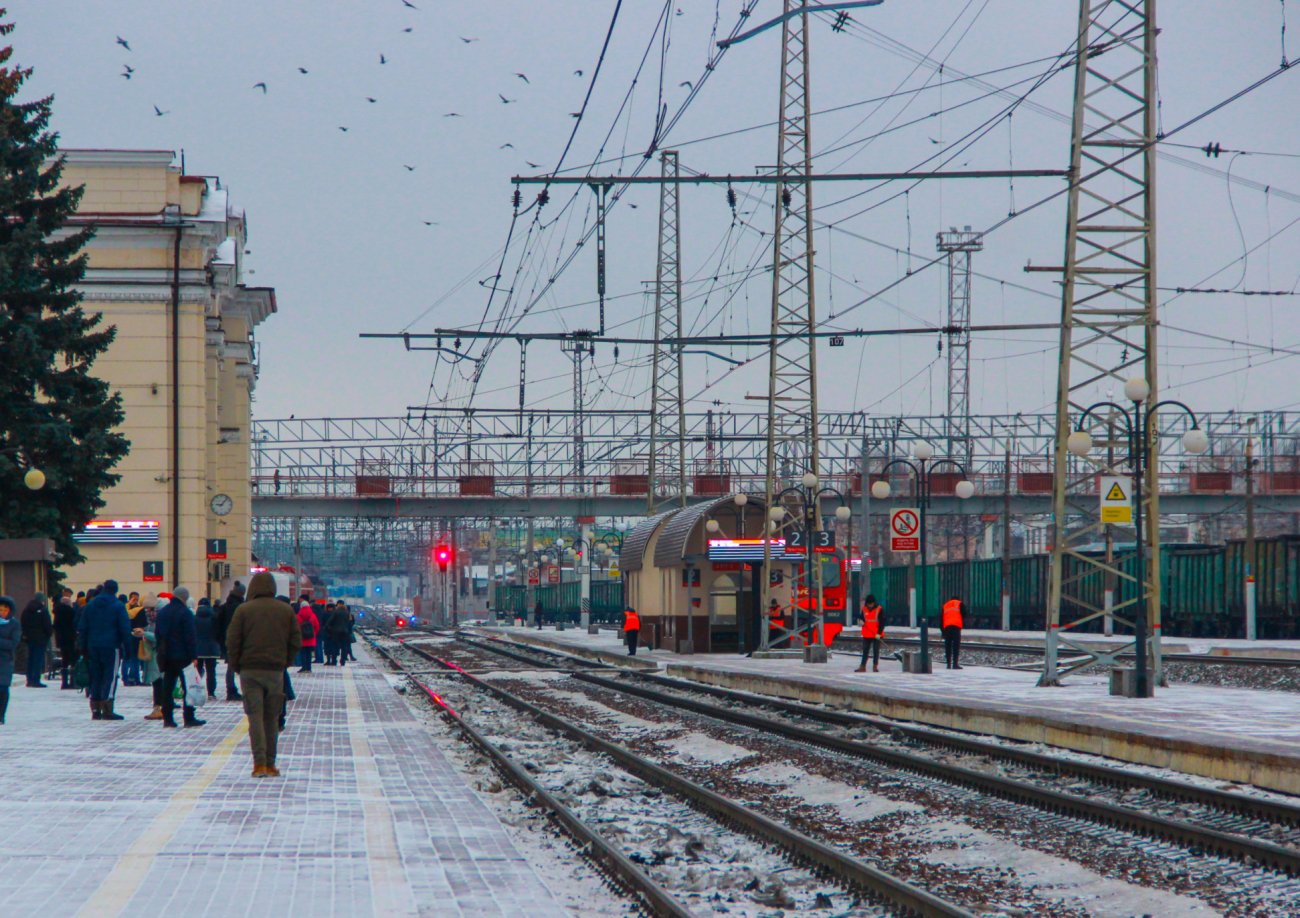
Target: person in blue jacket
178,647
104,628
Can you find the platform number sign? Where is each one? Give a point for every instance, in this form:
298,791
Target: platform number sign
153,570
216,549
823,540
904,530
1116,499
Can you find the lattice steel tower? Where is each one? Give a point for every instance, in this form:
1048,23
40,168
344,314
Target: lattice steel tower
958,245
1108,312
666,472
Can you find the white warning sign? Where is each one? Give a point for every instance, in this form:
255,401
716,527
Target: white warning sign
904,530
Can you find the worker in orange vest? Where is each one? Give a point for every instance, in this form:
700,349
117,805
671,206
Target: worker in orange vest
631,629
871,633
953,610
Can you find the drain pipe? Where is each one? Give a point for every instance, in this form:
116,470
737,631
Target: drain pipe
176,407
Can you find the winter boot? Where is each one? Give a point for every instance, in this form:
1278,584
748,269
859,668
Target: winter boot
861,669
106,711
189,719
156,715
96,713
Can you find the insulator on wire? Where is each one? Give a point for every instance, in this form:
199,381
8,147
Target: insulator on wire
616,353
542,197
457,344
516,199
731,198
786,197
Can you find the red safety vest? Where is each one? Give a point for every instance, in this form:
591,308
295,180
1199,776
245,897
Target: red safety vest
871,621
952,613
631,622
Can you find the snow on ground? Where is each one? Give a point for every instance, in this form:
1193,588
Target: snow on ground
851,803
1054,878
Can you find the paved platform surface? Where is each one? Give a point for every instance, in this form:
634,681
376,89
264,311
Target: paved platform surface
1258,730
99,820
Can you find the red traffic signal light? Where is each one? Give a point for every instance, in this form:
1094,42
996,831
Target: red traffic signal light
442,554
401,623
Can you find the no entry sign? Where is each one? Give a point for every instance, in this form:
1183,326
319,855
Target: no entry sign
904,530
534,576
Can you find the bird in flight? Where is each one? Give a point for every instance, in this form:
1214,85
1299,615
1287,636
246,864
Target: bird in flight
261,86
532,165
431,223
159,112
504,145
302,69
368,99
453,115
524,78
633,206
129,70
343,129
410,4
123,42
686,83
382,59
575,114
466,40
577,73
408,168
408,30
504,100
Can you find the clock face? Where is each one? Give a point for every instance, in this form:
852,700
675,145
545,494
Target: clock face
222,504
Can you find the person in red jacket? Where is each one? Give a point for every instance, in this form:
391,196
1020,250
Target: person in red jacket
871,631
631,629
953,610
310,626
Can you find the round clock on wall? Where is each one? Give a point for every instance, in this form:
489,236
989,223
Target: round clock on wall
222,504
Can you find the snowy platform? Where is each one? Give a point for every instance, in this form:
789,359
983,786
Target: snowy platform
1244,736
370,818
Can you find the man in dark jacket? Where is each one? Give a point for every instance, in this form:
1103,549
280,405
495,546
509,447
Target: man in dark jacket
65,635
178,647
224,615
262,640
337,629
104,629
37,627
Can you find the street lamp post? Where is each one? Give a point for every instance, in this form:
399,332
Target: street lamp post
880,490
1138,427
808,495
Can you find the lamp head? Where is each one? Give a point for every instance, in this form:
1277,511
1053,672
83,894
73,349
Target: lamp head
1196,441
1137,389
810,480
842,514
742,499
559,543
1079,443
777,514
34,479
965,489
712,526
880,490
923,450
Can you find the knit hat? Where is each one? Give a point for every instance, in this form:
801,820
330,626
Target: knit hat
181,593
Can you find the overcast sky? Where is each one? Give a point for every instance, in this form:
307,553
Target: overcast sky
338,219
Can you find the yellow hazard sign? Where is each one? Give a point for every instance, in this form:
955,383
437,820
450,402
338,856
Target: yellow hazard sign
1116,500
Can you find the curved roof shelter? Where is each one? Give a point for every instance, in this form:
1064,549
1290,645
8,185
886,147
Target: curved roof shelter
670,551
632,555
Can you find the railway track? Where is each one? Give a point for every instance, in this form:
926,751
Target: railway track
899,897
1212,821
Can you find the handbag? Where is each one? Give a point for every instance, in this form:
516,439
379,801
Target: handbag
145,652
196,693
81,674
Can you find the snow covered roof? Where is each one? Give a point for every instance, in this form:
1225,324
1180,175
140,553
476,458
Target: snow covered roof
226,252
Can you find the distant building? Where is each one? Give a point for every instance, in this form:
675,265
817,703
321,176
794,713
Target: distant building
165,269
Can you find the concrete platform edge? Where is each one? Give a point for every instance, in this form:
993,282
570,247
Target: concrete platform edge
602,656
1264,770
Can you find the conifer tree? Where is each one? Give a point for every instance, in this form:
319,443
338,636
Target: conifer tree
54,415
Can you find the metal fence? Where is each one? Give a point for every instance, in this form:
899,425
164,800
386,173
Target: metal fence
563,601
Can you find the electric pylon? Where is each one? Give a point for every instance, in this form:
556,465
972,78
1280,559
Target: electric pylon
792,366
666,474
1108,314
958,245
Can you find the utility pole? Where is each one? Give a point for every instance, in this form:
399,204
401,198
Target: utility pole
492,571
1006,540
1108,312
792,354
958,245
1249,557
578,347
666,474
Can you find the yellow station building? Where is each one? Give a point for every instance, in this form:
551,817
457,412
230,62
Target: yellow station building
165,269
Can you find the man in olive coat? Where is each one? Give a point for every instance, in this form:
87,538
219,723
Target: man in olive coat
262,639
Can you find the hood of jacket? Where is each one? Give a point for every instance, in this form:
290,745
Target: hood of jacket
262,584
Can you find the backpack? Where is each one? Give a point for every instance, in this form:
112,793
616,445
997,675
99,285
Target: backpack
308,631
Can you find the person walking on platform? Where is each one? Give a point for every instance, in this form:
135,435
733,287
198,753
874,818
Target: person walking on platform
205,628
352,636
329,646
178,646
149,672
539,614
131,649
871,634
224,614
308,629
631,630
65,636
953,610
37,627
11,632
336,629
318,613
104,629
262,640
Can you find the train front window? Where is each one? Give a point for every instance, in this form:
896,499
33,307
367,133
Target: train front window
830,573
